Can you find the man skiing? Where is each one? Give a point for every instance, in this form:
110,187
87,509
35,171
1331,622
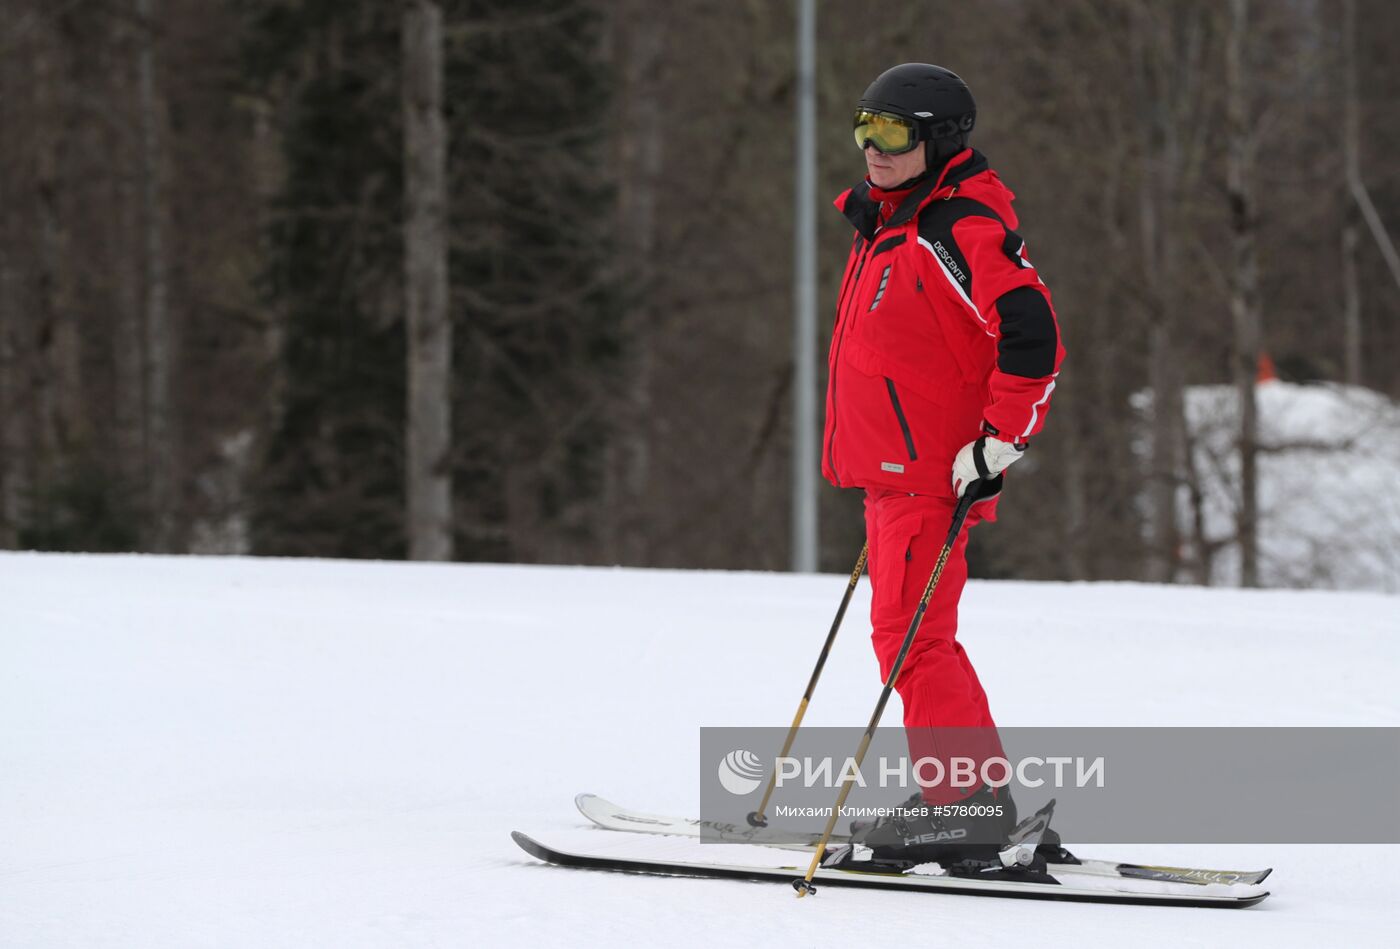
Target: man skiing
941,368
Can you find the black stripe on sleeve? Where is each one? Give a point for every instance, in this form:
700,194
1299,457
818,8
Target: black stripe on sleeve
936,224
1029,337
1011,247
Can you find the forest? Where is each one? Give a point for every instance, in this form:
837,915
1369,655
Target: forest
499,281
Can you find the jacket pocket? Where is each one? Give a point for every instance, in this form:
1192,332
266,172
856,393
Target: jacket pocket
903,422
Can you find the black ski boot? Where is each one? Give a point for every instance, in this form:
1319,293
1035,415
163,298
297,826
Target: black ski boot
910,808
970,833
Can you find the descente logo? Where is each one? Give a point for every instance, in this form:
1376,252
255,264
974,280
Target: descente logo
949,262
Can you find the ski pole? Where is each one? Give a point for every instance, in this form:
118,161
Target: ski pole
804,885
757,818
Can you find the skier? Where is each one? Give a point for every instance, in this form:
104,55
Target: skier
942,364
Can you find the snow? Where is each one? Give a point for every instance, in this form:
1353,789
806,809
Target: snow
1328,480
923,869
235,752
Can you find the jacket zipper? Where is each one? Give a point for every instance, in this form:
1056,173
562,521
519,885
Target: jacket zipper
903,422
849,290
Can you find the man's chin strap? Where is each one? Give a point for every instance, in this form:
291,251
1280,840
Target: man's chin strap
937,153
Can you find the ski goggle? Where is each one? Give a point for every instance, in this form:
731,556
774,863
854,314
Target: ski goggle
890,133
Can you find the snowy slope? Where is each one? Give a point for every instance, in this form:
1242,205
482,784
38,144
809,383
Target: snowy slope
233,752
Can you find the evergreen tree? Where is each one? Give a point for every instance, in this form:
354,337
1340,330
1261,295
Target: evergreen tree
331,474
532,225
526,99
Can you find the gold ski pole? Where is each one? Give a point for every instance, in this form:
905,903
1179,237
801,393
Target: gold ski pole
804,885
757,818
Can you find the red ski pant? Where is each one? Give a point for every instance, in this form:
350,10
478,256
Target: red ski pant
945,710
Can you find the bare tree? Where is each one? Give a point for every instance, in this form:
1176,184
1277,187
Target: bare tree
12,417
1357,186
429,485
639,39
160,355
1351,230
55,378
1241,142
14,457
1168,49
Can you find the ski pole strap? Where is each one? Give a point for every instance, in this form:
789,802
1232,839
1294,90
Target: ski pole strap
979,458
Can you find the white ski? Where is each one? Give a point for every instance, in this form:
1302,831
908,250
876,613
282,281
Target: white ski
612,816
1062,886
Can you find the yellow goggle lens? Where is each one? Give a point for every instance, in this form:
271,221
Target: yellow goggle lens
891,134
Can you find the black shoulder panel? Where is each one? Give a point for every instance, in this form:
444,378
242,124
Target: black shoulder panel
1029,338
940,216
936,222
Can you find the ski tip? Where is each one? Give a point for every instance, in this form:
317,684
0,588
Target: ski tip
1264,875
528,844
590,805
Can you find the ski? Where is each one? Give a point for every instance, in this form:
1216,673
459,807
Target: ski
1063,883
610,816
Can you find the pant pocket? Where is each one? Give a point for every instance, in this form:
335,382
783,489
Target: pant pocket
892,599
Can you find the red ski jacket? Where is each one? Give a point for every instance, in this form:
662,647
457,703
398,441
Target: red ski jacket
944,331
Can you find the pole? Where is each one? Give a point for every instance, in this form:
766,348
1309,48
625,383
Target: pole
757,818
804,885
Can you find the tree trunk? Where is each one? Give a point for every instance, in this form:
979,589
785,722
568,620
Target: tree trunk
1200,539
1167,454
1078,522
128,262
428,469
1351,229
639,40
1244,282
159,331
12,411
1167,47
1157,191
13,407
54,367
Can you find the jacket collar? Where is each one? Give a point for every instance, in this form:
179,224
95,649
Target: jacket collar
862,208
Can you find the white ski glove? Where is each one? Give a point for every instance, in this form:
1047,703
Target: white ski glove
984,458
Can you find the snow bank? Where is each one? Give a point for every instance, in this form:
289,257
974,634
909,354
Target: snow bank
1329,485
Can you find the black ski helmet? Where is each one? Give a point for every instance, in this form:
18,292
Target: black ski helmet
934,97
